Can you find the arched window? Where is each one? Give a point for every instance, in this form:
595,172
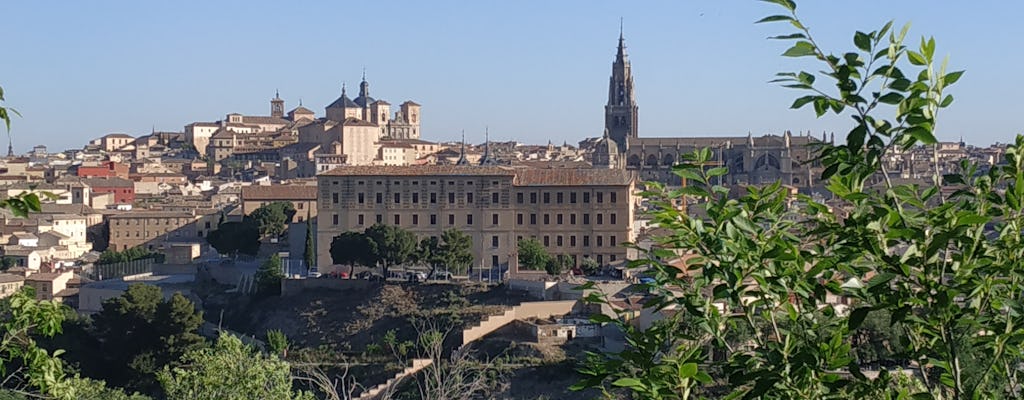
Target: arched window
652,160
634,161
669,159
767,161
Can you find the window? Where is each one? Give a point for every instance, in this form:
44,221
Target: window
334,198
469,198
451,198
612,242
433,219
586,241
494,241
398,198
533,219
558,240
469,219
611,218
207,224
572,219
611,258
558,198
547,219
380,198
558,219
547,198
533,198
572,241
362,198
494,219
600,240
600,197
433,198
334,219
586,219
612,198
301,205
415,198
380,218
586,197
519,198
415,219
600,259
451,219
360,219
600,218
547,240
519,219
494,198
398,219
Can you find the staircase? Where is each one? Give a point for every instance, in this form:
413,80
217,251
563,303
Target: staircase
417,365
488,325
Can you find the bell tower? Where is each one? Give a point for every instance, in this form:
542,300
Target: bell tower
620,114
277,106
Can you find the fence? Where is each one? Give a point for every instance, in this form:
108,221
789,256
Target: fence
101,272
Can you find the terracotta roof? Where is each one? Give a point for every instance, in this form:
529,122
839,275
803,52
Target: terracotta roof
262,120
572,177
152,214
411,103
279,192
418,170
108,182
301,110
43,277
357,122
67,292
119,135
381,102
8,278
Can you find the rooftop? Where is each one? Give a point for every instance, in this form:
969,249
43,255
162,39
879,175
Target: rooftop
157,280
279,192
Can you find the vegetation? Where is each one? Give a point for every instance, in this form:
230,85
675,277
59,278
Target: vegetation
351,248
390,245
558,264
22,204
273,218
230,370
7,262
161,332
309,252
455,251
532,255
278,343
22,360
236,237
752,313
135,253
589,266
269,275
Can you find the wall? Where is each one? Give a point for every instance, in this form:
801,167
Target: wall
290,287
536,289
537,309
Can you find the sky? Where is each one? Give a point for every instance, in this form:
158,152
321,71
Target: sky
527,70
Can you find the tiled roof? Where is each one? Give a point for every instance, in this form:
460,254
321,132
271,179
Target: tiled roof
151,214
263,120
411,103
301,110
418,170
357,122
8,278
279,192
119,135
381,102
572,177
79,209
108,182
43,277
343,102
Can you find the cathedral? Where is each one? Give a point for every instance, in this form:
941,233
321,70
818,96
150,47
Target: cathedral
752,160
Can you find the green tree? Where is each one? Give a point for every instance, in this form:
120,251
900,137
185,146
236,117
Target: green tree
351,248
589,266
428,252
273,218
269,275
309,252
20,316
278,342
532,255
230,370
161,331
236,237
558,264
111,256
390,245
942,260
22,204
7,262
456,250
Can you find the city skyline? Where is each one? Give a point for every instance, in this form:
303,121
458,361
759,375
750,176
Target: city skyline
529,74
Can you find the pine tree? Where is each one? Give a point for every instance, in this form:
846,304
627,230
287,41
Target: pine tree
310,253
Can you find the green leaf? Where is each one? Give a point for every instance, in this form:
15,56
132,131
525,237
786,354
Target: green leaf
800,102
717,171
688,370
891,98
774,18
946,101
857,317
787,4
628,382
922,135
800,49
952,77
789,36
916,58
862,41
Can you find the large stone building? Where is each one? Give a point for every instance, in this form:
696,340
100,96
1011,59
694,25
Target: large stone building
302,197
576,212
750,159
153,229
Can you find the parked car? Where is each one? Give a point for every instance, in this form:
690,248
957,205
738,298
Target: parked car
416,276
441,276
314,273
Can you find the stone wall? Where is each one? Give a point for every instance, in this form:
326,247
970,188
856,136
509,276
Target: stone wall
291,287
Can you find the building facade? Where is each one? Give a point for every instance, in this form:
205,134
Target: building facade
575,212
152,229
302,197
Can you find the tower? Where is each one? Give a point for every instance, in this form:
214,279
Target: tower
462,154
620,114
487,158
277,106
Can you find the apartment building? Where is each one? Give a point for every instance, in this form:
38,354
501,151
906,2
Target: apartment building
576,212
152,229
302,197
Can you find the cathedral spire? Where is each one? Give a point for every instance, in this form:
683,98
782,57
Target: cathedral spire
621,110
487,159
10,146
462,154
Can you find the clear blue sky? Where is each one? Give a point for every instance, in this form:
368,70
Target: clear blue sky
530,70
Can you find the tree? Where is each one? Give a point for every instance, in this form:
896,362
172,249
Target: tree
273,218
278,342
558,264
390,245
230,370
22,204
456,250
236,237
428,252
351,248
309,252
532,255
7,262
161,331
111,256
269,275
589,266
20,315
942,260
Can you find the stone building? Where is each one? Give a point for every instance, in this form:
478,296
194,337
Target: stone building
751,160
576,212
153,229
302,197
